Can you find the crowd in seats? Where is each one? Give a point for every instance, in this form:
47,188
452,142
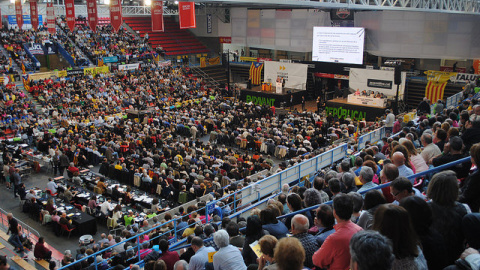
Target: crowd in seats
13,40
127,47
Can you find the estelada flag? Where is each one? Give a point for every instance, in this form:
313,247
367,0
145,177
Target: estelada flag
70,14
256,73
437,81
23,69
19,13
157,16
186,12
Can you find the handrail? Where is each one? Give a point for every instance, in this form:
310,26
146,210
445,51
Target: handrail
435,169
289,173
25,227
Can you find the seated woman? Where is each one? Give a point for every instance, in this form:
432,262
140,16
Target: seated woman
270,223
267,246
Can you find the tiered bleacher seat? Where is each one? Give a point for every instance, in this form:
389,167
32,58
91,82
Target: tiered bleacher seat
101,21
174,41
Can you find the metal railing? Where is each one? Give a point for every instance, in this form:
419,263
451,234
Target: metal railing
252,196
427,172
29,231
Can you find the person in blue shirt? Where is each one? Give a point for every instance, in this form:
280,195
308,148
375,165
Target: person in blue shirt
197,262
271,224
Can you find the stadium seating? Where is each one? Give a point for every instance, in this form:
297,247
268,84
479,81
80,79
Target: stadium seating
173,40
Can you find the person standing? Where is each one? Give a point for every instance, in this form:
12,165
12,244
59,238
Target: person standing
63,163
319,104
291,102
389,122
13,229
55,162
303,103
17,180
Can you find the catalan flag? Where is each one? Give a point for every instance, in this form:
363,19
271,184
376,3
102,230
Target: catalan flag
26,82
23,69
435,90
256,73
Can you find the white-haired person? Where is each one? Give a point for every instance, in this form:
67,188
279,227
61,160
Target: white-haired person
227,257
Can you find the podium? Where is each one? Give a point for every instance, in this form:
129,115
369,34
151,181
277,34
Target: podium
278,88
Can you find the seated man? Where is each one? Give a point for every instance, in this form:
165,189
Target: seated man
64,221
453,151
41,251
72,169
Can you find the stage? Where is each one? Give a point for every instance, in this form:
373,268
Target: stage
340,108
271,98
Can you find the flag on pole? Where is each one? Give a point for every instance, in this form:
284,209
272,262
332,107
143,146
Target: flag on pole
26,82
23,69
256,73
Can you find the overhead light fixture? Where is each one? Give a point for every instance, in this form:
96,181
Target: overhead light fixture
176,2
106,2
148,2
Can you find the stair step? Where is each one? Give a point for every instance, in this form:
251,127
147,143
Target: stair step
22,263
43,263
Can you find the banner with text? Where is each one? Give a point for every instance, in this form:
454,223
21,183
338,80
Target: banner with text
95,70
129,66
92,14
51,18
295,75
34,14
381,81
70,14
18,13
116,14
157,16
464,78
186,12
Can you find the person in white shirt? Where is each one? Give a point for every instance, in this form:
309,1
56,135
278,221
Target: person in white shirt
430,149
52,186
389,121
106,206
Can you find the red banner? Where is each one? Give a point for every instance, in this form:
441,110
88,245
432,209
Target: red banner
450,69
157,16
70,14
1,25
227,40
92,14
51,18
18,13
34,14
186,12
116,14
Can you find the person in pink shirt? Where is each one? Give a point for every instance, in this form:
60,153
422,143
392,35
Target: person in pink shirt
334,254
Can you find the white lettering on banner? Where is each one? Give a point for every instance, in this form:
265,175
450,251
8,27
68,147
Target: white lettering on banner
295,74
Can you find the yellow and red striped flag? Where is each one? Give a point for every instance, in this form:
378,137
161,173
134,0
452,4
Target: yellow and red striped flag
256,73
437,81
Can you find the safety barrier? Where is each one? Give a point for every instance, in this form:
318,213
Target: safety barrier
454,100
29,231
371,137
257,194
65,54
430,171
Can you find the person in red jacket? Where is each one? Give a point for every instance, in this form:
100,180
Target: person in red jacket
41,251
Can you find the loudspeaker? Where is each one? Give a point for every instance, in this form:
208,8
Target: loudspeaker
398,75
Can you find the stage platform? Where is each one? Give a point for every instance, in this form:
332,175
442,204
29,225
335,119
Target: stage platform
271,98
340,108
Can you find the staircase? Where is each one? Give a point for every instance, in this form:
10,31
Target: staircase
14,64
240,72
217,75
90,63
415,91
173,40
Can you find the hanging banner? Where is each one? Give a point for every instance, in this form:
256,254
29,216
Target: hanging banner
129,66
92,14
209,23
476,66
50,18
186,11
18,13
116,14
70,14
437,81
34,14
157,16
464,78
